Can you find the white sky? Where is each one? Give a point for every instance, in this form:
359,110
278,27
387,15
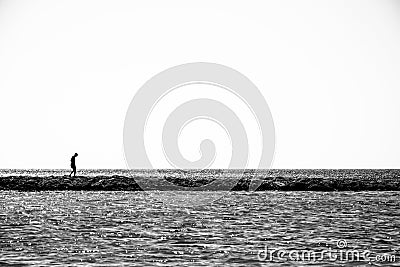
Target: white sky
328,70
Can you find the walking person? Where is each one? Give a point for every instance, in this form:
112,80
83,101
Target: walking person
73,165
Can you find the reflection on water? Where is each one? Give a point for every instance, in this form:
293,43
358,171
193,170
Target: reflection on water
134,229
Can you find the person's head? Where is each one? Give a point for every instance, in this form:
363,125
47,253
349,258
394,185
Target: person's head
76,154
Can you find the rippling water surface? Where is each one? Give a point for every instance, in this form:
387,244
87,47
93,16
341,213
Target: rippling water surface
134,229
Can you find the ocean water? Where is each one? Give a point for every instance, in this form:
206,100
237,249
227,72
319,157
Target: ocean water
79,228
292,173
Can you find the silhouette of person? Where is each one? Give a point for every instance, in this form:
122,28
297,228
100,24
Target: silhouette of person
73,165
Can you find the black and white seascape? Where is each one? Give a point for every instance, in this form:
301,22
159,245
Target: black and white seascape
199,133
322,217
115,228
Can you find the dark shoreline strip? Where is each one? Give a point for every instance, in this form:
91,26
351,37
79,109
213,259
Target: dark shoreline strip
123,183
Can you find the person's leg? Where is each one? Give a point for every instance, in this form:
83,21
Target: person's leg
71,172
74,171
